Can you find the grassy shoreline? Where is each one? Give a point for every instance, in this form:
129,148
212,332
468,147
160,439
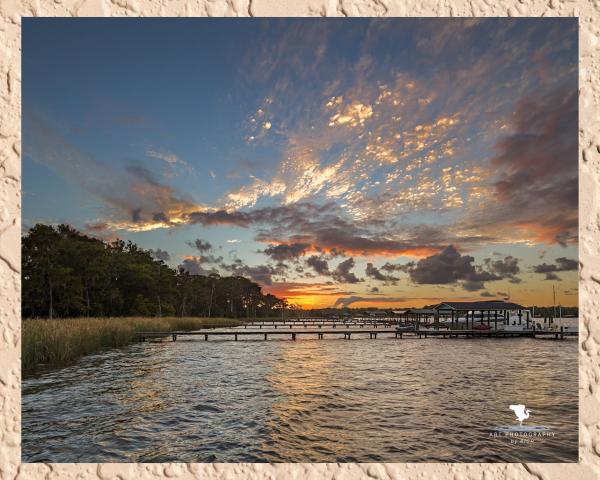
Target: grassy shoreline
60,342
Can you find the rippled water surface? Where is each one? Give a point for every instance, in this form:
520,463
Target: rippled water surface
331,400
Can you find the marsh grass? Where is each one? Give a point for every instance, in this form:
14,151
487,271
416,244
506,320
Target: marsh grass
59,342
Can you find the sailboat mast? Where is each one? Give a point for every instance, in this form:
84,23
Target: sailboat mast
559,305
553,302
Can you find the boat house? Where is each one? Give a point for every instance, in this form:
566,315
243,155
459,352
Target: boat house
492,311
417,316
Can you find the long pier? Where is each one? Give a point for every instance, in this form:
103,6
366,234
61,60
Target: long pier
318,325
143,336
234,334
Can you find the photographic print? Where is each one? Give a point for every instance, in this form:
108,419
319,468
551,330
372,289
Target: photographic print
300,240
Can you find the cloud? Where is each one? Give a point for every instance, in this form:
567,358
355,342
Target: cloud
195,266
160,254
165,156
206,259
537,186
505,268
562,264
375,273
318,264
172,164
321,226
473,285
353,115
286,251
343,274
390,267
449,266
347,301
200,245
509,266
262,274
138,201
552,276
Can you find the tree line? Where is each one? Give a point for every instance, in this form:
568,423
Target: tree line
69,274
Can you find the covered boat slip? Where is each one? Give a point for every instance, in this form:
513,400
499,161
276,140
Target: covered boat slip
468,315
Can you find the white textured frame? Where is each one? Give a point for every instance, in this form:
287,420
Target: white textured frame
11,12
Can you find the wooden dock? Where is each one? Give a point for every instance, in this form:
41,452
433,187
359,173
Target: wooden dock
143,336
234,334
533,333
317,325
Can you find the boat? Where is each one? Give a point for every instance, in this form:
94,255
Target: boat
405,328
481,326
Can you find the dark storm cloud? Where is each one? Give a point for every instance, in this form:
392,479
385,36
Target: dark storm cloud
286,251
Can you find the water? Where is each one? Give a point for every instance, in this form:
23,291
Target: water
332,400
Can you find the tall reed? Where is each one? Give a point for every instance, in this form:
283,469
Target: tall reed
59,342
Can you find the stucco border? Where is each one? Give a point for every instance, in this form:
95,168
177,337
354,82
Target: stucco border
11,12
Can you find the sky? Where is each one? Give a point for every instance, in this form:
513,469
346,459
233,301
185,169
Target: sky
337,162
